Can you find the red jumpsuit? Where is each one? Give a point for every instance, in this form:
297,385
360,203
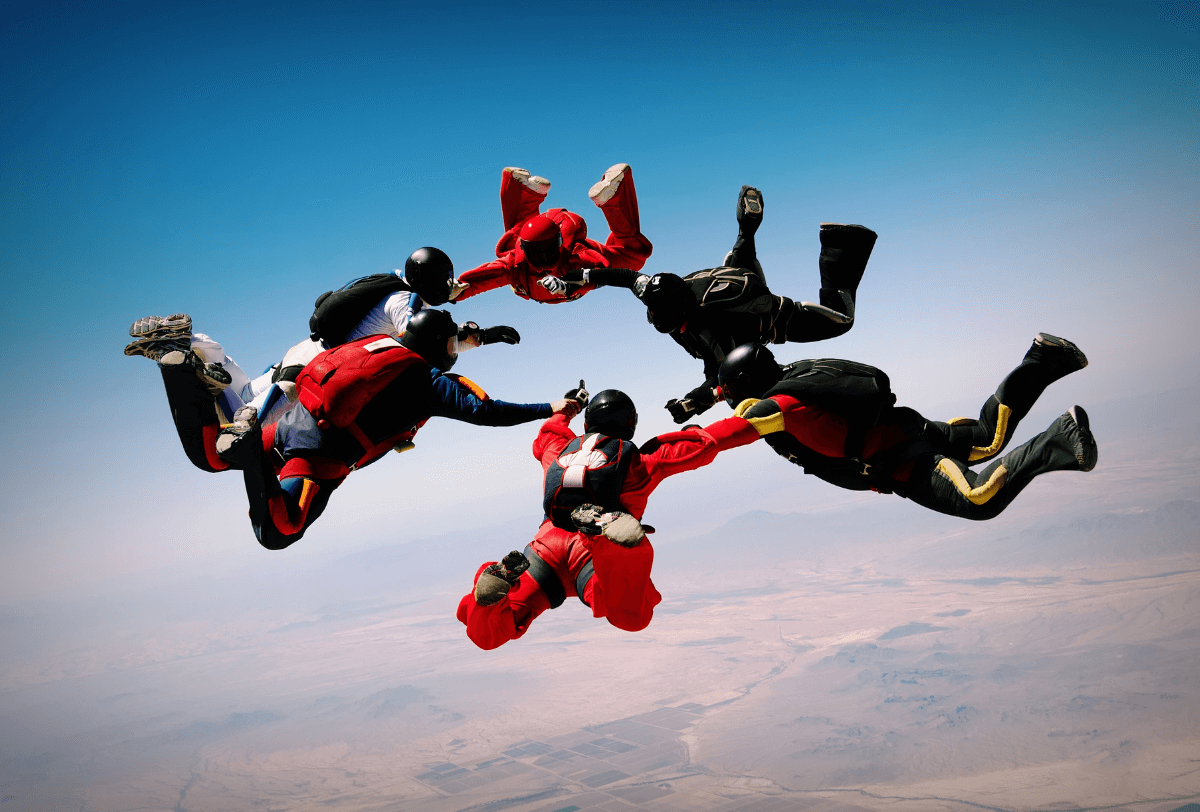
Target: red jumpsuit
620,589
626,246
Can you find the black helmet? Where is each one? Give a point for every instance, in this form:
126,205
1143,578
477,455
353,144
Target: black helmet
429,272
429,334
669,302
748,372
612,414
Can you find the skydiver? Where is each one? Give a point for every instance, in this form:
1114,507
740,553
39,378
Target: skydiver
837,420
357,402
539,246
709,312
591,544
373,305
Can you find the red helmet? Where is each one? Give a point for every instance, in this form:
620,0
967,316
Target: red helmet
541,240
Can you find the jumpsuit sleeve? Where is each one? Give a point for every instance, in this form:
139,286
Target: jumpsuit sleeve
456,401
661,457
488,276
678,451
621,590
551,439
818,429
490,627
603,277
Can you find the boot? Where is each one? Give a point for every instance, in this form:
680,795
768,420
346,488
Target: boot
497,579
845,250
749,210
606,188
214,377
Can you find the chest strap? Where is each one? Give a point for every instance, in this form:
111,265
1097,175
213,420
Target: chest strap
573,474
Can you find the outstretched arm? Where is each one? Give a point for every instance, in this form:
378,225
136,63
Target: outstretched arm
460,398
488,276
620,589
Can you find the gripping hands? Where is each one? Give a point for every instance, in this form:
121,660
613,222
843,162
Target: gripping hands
573,402
565,284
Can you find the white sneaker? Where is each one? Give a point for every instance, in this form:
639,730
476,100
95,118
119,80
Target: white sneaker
534,183
604,190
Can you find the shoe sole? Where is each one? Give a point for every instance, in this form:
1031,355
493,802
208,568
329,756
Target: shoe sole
604,190
534,183
1088,453
161,327
1047,340
751,202
155,348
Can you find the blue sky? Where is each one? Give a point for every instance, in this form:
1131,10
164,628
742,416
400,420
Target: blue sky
1027,166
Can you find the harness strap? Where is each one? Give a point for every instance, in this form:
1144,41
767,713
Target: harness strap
573,475
546,578
581,580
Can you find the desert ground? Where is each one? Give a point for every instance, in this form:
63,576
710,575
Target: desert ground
875,657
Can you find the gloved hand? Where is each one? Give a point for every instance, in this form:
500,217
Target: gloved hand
580,395
496,579
639,285
562,286
681,409
457,288
500,333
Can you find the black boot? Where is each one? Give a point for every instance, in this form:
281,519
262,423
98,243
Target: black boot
749,210
845,250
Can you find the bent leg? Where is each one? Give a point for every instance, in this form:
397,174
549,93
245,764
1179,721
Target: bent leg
195,416
521,196
845,250
749,217
620,589
948,486
281,511
1048,359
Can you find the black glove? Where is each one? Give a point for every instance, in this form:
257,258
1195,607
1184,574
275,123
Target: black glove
499,333
580,395
698,401
680,410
